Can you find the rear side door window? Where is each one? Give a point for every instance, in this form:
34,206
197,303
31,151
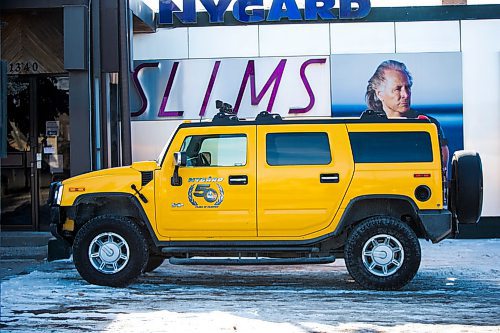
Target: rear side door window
297,149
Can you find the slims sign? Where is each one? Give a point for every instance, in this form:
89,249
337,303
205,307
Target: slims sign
189,88
252,11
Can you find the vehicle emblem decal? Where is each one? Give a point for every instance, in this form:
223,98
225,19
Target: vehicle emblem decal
213,197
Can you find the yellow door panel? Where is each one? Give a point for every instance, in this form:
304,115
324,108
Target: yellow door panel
297,200
217,194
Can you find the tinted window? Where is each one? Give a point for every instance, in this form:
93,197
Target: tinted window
297,149
215,150
391,147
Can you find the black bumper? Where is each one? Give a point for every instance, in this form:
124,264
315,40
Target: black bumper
436,224
55,221
58,248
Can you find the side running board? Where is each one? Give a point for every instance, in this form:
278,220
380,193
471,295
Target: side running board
251,261
236,249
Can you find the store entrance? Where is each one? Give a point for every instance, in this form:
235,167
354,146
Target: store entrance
37,148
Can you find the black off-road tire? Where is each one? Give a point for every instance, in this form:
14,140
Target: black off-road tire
466,187
394,229
137,251
153,263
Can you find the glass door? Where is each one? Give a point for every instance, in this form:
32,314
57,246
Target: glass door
52,131
37,149
17,166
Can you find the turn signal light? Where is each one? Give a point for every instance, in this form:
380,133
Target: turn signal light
77,189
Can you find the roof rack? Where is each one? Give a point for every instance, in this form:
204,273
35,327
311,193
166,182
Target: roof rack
266,117
373,116
225,115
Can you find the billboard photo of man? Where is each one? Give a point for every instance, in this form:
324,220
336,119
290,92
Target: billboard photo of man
389,91
403,85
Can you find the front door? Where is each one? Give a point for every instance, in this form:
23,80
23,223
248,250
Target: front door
37,148
217,196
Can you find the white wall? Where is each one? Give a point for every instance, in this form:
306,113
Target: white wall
481,87
149,138
476,39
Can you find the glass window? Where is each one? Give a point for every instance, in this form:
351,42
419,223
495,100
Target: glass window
215,150
391,147
297,149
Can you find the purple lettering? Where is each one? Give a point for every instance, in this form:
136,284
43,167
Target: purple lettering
312,99
209,88
255,99
137,84
162,112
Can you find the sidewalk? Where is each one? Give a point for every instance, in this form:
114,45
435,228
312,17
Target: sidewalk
22,251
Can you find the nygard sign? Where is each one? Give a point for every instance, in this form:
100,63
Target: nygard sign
252,11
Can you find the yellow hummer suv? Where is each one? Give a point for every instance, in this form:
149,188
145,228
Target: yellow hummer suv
272,191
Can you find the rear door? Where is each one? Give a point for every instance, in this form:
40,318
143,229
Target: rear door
303,173
217,196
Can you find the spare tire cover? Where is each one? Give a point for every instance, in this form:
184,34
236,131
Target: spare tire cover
466,188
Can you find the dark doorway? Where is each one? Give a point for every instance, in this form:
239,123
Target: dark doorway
37,148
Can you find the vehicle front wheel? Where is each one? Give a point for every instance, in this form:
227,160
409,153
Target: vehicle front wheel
382,253
110,251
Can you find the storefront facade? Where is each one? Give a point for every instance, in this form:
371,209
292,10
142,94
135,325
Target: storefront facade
61,97
79,95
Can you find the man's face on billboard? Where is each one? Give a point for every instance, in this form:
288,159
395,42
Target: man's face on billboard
395,93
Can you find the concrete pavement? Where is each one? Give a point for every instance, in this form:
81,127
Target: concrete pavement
22,251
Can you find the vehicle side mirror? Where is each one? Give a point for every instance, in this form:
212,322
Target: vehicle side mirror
180,159
205,158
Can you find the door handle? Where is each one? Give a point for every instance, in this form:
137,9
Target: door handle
329,178
238,180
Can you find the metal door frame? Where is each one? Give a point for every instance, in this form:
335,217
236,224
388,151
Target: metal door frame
34,174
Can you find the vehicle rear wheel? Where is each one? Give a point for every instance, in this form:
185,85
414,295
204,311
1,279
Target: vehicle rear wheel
110,251
466,187
382,253
153,263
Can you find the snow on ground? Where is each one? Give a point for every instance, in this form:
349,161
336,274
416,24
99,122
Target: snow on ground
457,289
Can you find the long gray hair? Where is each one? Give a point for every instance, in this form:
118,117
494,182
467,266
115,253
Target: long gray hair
378,78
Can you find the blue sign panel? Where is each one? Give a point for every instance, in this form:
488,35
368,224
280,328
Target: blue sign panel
280,9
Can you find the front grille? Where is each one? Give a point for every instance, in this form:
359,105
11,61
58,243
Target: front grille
147,176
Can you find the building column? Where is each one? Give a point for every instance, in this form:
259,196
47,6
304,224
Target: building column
76,62
124,77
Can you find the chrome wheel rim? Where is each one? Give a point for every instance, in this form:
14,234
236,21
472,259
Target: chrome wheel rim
383,255
109,253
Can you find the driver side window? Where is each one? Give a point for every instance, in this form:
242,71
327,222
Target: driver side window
220,150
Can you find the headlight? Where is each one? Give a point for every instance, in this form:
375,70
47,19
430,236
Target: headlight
58,195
